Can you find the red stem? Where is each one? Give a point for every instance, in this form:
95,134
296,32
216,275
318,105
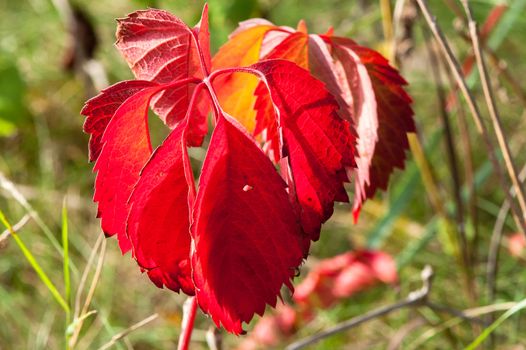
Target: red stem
218,111
188,323
192,80
189,176
190,306
249,70
210,79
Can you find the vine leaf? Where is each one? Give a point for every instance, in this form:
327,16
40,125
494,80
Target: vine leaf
247,240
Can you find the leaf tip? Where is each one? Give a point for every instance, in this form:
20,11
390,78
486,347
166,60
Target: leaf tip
302,26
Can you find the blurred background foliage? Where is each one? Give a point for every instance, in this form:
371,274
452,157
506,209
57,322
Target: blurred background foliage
44,153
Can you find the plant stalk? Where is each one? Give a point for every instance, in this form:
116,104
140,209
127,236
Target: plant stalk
494,113
187,325
474,109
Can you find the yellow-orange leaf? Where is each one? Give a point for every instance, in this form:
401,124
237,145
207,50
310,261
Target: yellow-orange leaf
236,91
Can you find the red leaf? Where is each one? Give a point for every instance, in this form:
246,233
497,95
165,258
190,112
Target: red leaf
344,275
159,47
266,123
271,329
203,36
516,244
293,48
316,142
124,152
235,91
100,109
160,241
247,241
382,112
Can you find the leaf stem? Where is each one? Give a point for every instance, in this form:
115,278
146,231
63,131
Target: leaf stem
215,100
249,70
192,80
187,326
189,176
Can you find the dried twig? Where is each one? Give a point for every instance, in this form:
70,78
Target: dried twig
127,331
496,238
493,111
454,312
96,278
16,227
453,167
397,339
10,188
78,314
457,72
415,298
467,157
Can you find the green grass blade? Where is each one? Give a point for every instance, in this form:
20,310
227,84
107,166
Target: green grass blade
15,193
34,264
65,249
519,306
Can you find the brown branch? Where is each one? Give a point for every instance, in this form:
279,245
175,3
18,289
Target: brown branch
414,298
475,112
417,298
